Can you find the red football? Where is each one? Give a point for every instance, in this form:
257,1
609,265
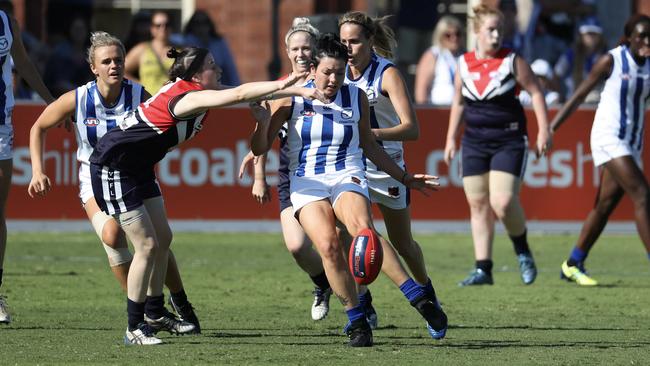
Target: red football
366,257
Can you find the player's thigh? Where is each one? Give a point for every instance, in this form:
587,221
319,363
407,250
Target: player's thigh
398,225
353,210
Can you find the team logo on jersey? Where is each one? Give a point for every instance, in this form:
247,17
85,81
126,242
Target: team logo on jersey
308,112
91,122
4,45
372,97
346,113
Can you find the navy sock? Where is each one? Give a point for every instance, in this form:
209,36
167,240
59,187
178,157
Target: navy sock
577,256
356,313
135,311
411,290
179,298
1,276
485,265
1,270
365,299
520,243
321,281
428,289
154,306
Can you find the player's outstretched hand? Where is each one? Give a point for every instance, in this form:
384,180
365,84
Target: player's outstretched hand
39,185
292,79
261,111
313,93
421,182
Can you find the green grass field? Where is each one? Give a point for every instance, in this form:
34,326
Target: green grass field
253,302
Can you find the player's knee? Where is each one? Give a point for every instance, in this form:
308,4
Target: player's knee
117,256
501,205
330,251
112,235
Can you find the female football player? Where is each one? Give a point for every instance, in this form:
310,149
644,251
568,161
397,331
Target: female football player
96,107
616,139
495,143
12,48
327,178
392,120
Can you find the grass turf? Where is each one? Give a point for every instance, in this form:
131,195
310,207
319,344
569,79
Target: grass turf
253,303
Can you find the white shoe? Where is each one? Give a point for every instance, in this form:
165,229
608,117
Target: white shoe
143,335
4,312
321,305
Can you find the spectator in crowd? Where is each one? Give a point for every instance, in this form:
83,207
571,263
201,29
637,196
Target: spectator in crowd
139,30
576,63
67,66
200,31
434,77
147,62
512,37
542,69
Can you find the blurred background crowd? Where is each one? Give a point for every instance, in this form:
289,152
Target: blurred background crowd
561,39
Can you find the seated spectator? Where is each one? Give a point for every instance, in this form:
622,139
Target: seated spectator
542,69
147,62
434,76
200,31
576,63
67,66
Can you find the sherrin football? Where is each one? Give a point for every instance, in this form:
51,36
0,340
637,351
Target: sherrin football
366,257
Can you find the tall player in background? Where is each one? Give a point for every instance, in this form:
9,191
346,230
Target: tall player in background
11,47
124,182
95,108
495,142
328,182
616,140
392,120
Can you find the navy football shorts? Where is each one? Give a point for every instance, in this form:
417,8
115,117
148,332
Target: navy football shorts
480,157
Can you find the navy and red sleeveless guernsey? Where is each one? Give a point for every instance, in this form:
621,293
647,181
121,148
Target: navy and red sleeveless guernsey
489,87
145,136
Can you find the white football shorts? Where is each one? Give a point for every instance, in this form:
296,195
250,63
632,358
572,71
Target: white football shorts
386,191
305,190
606,149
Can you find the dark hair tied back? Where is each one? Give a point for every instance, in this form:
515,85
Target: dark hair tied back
187,62
329,45
173,53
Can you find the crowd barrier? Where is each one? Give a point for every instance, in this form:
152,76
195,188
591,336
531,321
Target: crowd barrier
200,179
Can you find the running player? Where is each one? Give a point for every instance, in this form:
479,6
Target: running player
392,120
616,139
11,48
495,143
96,108
327,180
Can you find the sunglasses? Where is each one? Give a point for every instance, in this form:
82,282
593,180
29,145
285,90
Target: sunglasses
450,35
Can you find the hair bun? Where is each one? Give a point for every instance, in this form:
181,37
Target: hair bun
300,21
173,53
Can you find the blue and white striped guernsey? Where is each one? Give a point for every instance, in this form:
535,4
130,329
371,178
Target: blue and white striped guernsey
621,109
382,114
93,118
324,138
6,83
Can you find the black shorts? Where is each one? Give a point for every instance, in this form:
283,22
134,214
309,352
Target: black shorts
118,192
480,157
284,190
